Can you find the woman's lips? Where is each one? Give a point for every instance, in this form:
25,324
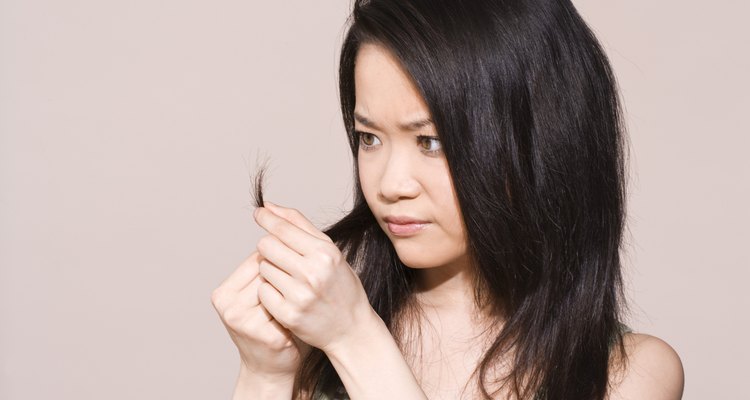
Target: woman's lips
403,226
405,229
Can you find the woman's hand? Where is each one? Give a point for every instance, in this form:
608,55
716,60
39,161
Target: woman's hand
311,289
267,350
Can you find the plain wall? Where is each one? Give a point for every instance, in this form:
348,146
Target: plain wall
128,131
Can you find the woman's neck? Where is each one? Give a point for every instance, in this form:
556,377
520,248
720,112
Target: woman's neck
448,335
450,288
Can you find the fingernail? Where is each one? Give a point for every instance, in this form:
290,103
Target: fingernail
268,203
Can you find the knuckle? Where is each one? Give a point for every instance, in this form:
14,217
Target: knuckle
305,298
250,259
217,297
293,319
233,316
295,213
332,253
337,257
325,256
316,282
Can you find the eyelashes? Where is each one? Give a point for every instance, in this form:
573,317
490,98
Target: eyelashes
422,139
364,138
429,145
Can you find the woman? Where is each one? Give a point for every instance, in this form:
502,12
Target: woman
481,256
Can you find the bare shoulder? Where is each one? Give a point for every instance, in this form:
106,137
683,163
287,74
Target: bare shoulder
653,370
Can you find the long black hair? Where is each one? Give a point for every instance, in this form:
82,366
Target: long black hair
526,106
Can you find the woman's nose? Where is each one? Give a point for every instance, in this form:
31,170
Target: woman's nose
398,181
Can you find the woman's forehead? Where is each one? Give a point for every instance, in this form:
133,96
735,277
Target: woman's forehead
385,93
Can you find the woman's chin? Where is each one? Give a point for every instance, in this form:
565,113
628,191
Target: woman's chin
420,259
424,251
418,264
425,257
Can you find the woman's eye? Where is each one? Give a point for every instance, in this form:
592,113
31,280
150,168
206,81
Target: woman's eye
430,144
367,140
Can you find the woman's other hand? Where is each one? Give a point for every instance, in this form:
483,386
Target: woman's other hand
268,351
310,288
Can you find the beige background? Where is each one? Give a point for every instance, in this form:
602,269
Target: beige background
128,129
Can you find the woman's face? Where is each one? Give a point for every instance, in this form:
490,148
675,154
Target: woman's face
402,169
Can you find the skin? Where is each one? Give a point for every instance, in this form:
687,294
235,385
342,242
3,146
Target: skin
404,172
304,285
297,289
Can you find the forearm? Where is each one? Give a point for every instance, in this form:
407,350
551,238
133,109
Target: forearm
251,386
371,365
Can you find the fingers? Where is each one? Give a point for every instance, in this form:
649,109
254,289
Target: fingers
249,294
296,218
272,301
294,237
243,275
273,250
290,234
226,293
263,310
283,282
276,328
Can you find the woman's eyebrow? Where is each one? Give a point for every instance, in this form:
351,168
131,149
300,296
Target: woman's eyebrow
409,126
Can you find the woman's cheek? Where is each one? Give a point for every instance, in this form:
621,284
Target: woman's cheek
366,181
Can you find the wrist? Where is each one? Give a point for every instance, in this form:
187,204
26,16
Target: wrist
370,364
367,326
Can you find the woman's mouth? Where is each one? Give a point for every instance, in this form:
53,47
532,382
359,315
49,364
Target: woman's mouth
404,226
